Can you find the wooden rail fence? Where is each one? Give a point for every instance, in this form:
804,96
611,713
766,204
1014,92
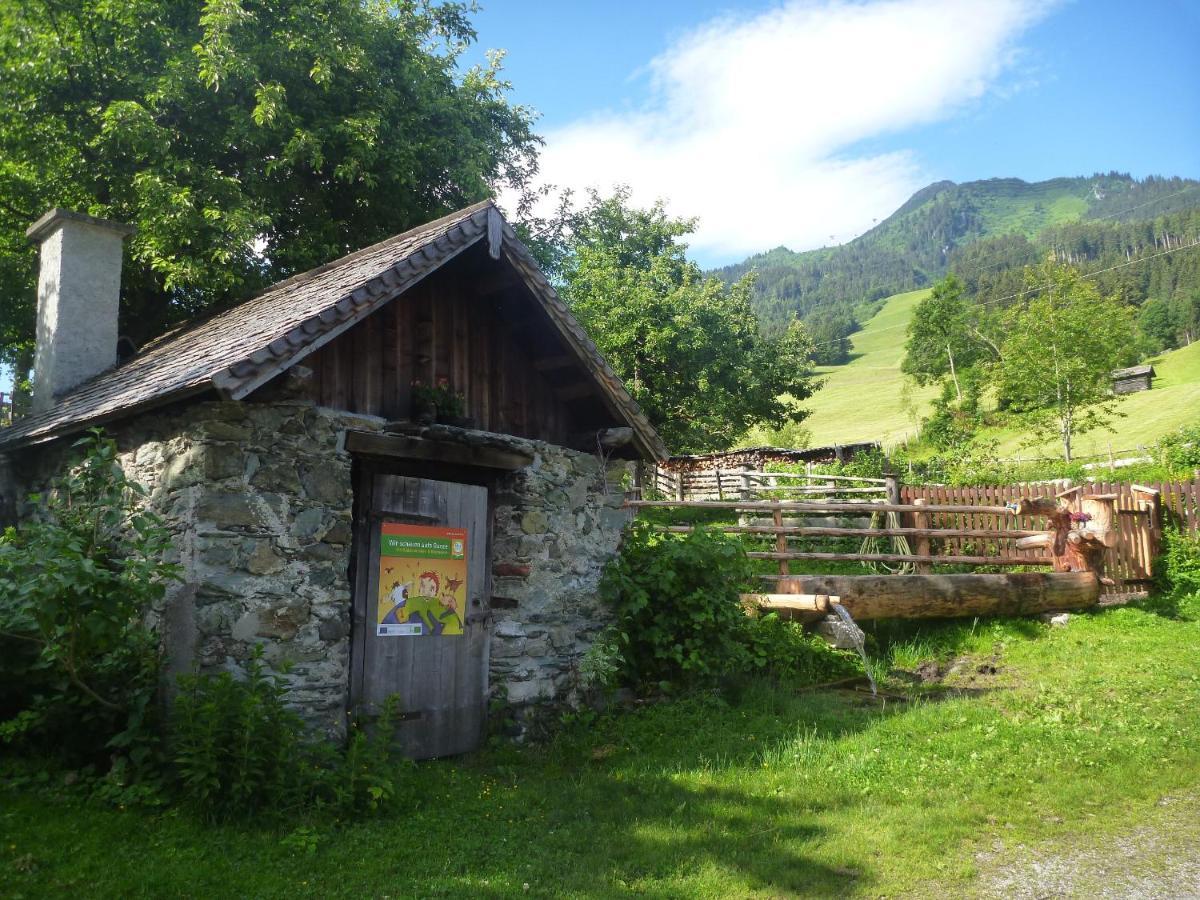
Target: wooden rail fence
1141,511
972,526
750,484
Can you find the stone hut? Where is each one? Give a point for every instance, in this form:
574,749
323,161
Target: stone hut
316,510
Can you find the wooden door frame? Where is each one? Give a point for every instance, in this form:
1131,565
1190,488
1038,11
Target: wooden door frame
363,471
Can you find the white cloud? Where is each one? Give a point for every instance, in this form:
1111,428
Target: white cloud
752,123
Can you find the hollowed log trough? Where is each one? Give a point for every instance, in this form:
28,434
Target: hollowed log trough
808,597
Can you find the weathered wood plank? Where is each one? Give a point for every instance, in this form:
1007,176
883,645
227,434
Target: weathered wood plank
448,452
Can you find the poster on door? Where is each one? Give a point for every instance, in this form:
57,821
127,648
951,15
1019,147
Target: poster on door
422,581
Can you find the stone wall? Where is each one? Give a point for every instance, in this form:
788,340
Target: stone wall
259,500
557,523
263,499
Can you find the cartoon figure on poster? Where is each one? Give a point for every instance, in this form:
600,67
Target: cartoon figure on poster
422,581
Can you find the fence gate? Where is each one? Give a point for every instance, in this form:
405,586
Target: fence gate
420,603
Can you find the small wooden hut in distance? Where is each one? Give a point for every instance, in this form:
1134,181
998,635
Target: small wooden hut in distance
1132,380
314,512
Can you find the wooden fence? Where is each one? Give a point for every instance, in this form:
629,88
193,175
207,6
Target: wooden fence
1141,512
943,525
750,484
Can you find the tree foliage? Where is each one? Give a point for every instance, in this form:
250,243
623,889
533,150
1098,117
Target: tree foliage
941,342
1059,353
688,348
247,140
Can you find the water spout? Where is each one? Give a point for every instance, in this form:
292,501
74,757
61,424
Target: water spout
856,635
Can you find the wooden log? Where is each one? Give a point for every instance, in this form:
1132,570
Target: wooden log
831,531
903,557
811,477
922,546
601,439
815,508
1036,541
803,607
951,596
781,545
1035,506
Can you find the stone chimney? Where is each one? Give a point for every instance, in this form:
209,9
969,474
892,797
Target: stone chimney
79,288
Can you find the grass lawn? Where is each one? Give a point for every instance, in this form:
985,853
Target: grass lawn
867,399
757,791
1173,401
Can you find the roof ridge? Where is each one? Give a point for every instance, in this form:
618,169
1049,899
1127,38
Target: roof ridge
449,219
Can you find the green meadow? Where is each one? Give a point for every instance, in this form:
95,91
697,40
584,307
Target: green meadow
1030,735
869,399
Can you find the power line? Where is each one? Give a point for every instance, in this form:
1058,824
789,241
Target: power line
1034,290
1119,212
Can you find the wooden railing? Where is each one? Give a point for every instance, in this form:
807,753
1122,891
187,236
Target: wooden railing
784,530
748,484
1140,514
973,526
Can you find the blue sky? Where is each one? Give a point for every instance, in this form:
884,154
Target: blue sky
791,123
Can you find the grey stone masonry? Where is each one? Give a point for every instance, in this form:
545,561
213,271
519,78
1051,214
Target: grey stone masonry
79,283
557,524
259,498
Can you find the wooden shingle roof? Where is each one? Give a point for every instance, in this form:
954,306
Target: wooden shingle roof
1134,372
242,348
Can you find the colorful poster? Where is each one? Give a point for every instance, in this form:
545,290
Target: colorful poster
422,581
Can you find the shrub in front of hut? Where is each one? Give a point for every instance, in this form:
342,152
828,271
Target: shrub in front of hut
680,620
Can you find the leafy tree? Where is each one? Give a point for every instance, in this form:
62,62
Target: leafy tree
1156,323
940,341
688,348
247,140
1061,348
831,330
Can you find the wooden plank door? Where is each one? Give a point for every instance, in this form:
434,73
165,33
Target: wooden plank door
439,674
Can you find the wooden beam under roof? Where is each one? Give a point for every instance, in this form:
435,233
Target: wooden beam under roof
402,446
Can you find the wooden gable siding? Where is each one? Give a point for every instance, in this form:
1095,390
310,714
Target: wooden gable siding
442,329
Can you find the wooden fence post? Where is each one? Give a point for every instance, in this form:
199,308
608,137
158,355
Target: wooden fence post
892,485
747,489
781,544
921,545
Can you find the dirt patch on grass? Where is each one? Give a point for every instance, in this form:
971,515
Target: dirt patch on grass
1157,858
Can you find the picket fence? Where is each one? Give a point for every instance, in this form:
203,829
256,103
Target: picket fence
1142,511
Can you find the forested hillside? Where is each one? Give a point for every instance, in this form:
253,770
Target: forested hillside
1128,259
983,227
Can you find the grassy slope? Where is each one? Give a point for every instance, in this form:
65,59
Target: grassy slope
865,399
1173,401
768,793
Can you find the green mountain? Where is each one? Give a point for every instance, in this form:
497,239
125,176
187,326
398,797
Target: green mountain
834,289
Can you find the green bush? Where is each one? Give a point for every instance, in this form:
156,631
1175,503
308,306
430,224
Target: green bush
1178,566
240,753
78,666
680,619
1179,451
785,651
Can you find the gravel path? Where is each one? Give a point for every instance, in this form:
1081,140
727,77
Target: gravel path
1158,858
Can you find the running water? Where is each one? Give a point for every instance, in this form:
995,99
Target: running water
856,635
